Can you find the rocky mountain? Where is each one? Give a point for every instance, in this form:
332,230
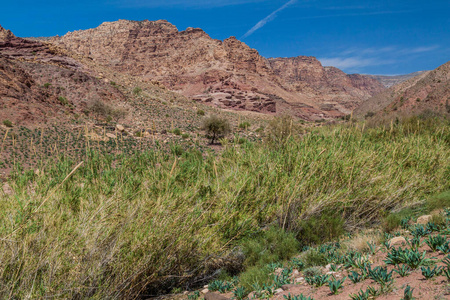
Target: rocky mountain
389,81
226,74
428,91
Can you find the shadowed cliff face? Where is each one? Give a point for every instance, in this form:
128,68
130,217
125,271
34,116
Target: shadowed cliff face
227,74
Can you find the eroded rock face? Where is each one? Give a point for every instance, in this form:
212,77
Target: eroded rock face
227,74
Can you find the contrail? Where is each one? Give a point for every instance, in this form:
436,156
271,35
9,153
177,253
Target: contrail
267,19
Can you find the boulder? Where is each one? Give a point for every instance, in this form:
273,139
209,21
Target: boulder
424,219
111,136
120,128
398,240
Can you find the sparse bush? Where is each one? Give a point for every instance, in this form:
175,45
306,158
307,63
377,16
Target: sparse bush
176,131
244,125
8,123
63,100
216,127
47,85
137,91
369,114
185,135
200,112
117,114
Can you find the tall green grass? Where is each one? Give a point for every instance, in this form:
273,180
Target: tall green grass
127,225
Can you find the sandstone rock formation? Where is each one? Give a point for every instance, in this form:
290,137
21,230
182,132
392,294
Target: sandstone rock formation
227,74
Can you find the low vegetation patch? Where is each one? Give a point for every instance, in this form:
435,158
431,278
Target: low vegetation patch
121,226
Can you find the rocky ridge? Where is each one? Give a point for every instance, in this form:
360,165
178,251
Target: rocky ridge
225,74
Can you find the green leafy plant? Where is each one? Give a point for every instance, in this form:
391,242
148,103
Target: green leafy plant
362,295
373,292
336,284
355,277
382,277
429,273
415,259
318,280
372,248
407,294
395,256
297,297
434,242
194,296
296,263
240,293
403,270
200,112
414,243
419,231
220,286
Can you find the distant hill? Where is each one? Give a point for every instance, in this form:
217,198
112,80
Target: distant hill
428,91
388,80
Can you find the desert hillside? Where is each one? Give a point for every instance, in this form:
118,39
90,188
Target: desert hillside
226,74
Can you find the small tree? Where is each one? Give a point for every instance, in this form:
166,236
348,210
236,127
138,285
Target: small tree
216,127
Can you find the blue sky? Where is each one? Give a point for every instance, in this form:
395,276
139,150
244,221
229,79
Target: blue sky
370,37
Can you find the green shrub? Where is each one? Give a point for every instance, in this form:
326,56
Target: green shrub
269,246
326,227
63,100
315,258
439,201
215,127
8,123
176,131
391,223
200,112
255,275
47,85
312,271
185,135
137,90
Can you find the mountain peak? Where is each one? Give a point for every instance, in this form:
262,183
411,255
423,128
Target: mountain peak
5,34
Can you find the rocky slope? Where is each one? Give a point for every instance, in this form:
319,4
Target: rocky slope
428,91
40,83
226,74
388,81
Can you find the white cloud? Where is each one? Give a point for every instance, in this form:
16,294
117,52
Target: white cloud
267,19
354,59
351,62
